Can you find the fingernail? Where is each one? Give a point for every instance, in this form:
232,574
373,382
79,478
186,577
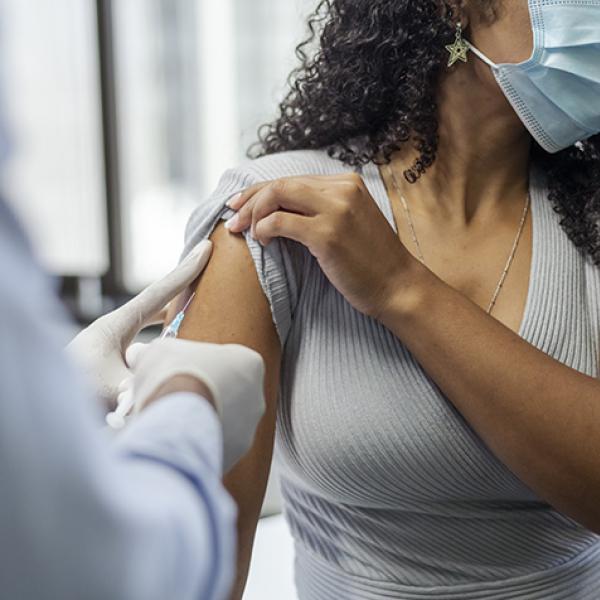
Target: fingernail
232,222
231,203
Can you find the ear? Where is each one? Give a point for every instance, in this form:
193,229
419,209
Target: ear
464,12
480,12
460,11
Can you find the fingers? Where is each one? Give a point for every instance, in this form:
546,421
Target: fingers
284,224
296,195
144,308
116,419
157,295
159,317
133,353
240,199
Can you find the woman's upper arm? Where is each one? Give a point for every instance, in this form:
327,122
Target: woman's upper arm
230,307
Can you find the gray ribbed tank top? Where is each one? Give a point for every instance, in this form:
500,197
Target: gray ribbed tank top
388,491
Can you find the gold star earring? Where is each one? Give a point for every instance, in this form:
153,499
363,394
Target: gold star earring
458,50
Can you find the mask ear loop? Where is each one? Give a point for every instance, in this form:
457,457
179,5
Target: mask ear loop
481,55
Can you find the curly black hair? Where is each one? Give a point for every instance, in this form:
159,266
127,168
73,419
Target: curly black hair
368,82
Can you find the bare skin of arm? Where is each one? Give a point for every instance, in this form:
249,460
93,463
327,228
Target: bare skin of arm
230,307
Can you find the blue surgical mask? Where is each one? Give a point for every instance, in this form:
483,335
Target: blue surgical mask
556,92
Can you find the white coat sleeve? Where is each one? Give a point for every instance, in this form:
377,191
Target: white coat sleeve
82,516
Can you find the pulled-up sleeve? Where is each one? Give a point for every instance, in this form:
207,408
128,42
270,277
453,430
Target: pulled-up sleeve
278,265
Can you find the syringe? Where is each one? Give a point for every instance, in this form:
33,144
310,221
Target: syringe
116,419
172,330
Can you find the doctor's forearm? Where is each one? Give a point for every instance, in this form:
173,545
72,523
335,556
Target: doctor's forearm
540,417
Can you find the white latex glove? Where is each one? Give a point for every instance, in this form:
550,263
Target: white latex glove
234,375
100,349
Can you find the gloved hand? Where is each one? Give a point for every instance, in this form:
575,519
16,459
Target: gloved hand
232,373
100,349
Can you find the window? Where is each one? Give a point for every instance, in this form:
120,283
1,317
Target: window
158,120
54,177
194,80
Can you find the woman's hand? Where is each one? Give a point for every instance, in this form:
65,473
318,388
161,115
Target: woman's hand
336,218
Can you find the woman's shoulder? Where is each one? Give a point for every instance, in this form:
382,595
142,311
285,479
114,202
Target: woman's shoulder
292,163
265,168
279,265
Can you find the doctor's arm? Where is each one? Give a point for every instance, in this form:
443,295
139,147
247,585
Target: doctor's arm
146,518
230,307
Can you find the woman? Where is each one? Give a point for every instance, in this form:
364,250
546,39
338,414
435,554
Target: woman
430,449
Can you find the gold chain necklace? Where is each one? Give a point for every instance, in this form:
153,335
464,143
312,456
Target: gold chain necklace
416,241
